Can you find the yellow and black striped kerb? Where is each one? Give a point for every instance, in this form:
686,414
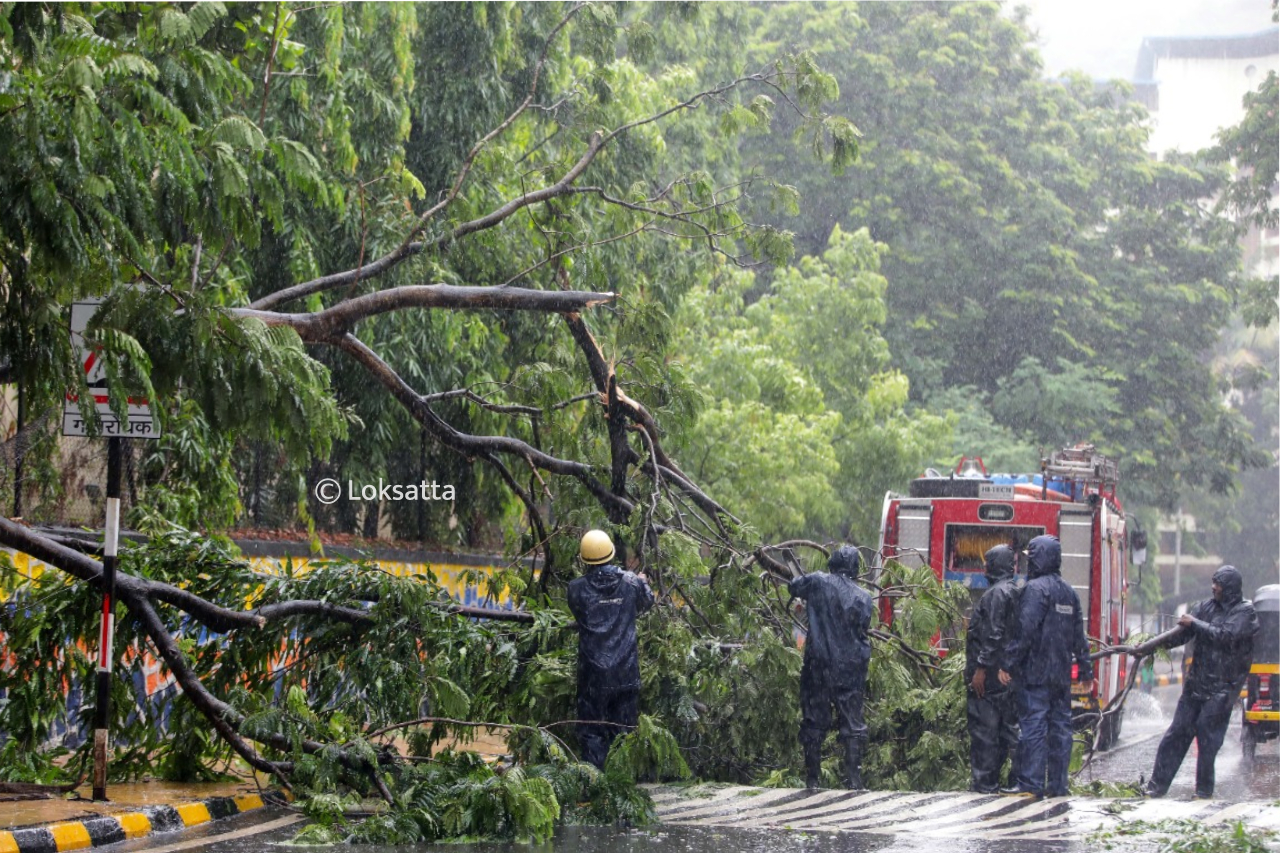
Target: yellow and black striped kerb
1166,680
97,831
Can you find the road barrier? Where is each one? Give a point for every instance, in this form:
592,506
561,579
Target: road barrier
109,829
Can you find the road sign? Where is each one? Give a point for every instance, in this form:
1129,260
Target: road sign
140,422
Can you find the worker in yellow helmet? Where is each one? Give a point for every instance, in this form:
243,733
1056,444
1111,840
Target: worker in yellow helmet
606,601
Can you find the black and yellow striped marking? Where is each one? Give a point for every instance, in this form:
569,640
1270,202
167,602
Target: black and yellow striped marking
97,831
1166,680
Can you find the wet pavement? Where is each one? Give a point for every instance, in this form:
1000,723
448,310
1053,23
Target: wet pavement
1147,717
667,839
707,819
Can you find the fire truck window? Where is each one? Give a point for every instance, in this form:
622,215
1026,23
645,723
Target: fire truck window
967,545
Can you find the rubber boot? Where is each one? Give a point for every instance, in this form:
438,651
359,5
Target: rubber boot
813,765
853,765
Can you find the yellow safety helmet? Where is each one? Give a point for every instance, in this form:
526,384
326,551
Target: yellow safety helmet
596,548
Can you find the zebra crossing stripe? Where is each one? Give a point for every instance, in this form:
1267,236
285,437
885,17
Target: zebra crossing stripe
826,806
991,806
736,805
833,799
1035,818
687,798
1155,811
1034,810
885,814
1236,812
1269,820
937,815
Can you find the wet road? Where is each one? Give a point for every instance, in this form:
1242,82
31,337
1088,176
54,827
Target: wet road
793,821
676,839
1147,717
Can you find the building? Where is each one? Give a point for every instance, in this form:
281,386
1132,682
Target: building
1193,87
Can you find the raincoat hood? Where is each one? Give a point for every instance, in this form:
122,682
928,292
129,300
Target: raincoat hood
604,579
845,561
1000,563
1228,577
1044,556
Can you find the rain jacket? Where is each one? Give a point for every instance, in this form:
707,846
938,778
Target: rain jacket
1224,632
606,602
994,622
1050,623
836,648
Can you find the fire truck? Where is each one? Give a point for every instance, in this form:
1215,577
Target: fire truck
949,522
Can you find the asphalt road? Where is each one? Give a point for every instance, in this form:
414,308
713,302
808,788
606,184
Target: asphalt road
1131,760
1147,717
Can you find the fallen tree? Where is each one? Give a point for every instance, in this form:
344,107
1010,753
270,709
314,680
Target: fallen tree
344,679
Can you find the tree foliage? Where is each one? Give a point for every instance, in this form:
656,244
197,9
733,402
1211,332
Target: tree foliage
1036,253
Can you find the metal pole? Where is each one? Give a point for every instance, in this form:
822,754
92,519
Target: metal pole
422,478
111,537
19,446
1177,559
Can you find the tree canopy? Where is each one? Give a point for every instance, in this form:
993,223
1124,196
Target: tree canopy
1037,256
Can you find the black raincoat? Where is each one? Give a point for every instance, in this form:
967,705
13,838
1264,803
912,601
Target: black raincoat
1224,630
994,622
993,715
1050,623
1050,636
606,601
836,650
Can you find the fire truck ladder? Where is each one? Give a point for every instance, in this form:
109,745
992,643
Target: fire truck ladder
1084,464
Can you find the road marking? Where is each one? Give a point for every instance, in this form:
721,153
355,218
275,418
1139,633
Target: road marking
994,805
70,836
193,813
1231,813
134,824
803,817
686,798
739,804
940,814
888,812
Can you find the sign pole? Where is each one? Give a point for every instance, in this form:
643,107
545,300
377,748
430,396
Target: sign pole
111,536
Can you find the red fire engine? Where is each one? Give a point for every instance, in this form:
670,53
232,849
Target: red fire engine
950,522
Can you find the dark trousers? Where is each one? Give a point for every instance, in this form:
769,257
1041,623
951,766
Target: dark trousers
993,737
818,695
1203,720
1045,743
620,706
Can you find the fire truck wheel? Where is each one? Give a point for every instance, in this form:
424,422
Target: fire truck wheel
1110,731
1248,742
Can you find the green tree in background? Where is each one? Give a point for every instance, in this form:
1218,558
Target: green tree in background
800,380
1034,248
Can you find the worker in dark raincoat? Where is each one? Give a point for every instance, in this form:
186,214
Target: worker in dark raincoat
1050,636
992,707
836,654
1223,627
606,601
